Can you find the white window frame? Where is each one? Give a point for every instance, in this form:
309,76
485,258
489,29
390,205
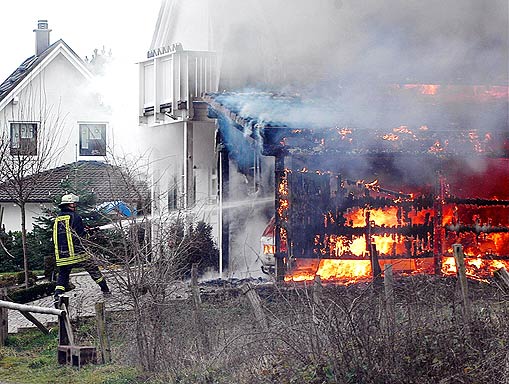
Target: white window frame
92,134
24,142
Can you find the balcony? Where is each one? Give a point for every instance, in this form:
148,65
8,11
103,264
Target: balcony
171,80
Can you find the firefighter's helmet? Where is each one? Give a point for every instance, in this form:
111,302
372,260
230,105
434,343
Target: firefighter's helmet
69,199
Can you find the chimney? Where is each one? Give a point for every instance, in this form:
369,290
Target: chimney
41,37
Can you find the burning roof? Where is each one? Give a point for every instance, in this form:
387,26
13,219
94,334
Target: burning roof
412,118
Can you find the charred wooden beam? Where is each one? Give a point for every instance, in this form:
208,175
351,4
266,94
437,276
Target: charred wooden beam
476,228
477,202
279,171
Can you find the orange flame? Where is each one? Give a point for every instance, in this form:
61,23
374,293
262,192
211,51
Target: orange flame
390,137
476,268
424,89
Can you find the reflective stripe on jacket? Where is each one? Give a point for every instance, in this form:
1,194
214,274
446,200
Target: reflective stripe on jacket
66,231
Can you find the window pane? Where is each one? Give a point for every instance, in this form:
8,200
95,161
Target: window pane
27,131
23,139
84,138
95,133
92,139
15,137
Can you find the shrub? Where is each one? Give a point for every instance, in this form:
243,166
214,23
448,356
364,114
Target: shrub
32,293
196,246
8,280
20,278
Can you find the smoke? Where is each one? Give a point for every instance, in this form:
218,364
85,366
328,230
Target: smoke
338,57
299,43
247,211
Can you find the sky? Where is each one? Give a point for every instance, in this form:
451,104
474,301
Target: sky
124,27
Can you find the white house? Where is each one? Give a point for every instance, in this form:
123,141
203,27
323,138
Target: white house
48,109
192,170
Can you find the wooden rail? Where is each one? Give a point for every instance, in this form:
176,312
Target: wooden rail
31,308
26,311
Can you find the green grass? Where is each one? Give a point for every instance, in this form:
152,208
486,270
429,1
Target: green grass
31,357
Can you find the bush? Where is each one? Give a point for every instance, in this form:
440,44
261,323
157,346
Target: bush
196,246
32,293
38,245
20,278
50,267
8,280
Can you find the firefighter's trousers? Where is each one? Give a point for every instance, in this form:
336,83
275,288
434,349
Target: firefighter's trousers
65,270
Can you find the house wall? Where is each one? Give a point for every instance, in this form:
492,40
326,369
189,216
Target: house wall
59,97
178,134
12,216
171,163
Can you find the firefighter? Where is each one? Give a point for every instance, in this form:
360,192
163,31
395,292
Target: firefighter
68,230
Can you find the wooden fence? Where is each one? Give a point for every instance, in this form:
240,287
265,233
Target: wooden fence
68,352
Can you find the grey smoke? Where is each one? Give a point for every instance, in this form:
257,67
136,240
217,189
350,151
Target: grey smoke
295,43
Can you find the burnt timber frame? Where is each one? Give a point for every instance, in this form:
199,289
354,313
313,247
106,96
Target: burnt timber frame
433,147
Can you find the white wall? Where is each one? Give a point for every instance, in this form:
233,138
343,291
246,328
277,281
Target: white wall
58,97
12,215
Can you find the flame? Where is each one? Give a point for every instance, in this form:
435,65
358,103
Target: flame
413,234
459,93
380,216
436,147
390,137
424,89
284,203
476,268
347,272
347,269
339,246
402,129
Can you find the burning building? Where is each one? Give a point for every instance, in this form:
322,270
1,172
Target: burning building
353,194
395,149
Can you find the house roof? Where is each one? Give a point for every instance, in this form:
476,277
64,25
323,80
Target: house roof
23,70
16,79
416,119
107,182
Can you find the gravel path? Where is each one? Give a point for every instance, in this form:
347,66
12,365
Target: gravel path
82,303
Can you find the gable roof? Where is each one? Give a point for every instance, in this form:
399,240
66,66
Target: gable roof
107,182
34,64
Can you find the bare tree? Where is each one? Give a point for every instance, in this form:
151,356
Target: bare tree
147,258
30,146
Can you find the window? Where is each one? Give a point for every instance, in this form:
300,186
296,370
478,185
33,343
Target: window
24,138
93,139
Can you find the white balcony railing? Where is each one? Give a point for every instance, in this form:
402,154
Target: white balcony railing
170,81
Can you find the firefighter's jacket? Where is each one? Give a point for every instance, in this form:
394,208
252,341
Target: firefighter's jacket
68,230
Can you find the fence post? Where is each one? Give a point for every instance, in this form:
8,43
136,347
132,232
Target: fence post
459,258
104,341
376,270
256,303
317,291
198,312
65,336
389,299
4,319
